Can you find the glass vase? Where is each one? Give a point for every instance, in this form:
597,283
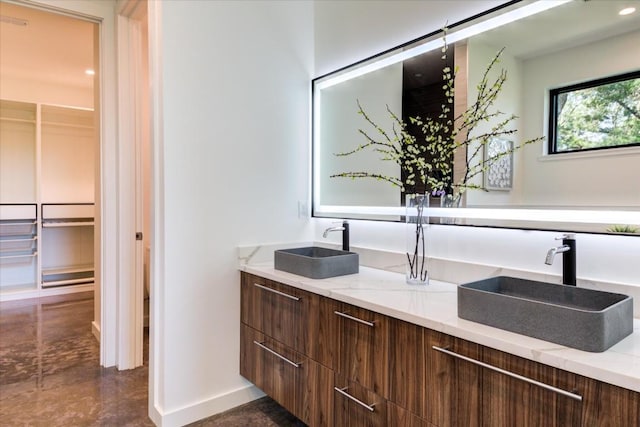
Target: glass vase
416,223
449,201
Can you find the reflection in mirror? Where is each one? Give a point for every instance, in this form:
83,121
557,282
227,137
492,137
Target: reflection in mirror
572,43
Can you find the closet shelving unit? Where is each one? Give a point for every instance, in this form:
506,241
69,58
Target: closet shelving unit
18,247
67,244
47,158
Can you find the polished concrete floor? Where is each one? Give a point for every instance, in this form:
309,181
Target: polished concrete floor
50,374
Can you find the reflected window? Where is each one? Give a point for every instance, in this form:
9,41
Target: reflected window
599,114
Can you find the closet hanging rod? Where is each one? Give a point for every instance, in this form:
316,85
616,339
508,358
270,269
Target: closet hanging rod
67,224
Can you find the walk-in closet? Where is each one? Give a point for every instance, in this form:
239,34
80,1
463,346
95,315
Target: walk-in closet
49,149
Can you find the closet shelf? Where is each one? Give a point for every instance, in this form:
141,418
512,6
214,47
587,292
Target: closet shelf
68,125
16,245
16,256
53,224
67,270
65,282
67,276
14,120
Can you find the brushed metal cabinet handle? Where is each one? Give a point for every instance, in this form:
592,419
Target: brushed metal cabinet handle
264,347
358,401
277,292
509,373
345,315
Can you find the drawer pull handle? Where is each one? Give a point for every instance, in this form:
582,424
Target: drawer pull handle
510,374
358,401
345,315
277,292
264,347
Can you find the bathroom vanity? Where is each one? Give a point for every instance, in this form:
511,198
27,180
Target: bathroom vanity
369,350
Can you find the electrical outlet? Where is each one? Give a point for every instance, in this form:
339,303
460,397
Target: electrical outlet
303,211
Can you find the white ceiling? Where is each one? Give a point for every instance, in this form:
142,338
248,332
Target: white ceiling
51,47
572,24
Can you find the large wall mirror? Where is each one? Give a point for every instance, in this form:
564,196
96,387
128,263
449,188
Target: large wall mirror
547,46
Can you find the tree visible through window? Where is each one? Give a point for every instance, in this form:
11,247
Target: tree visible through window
599,114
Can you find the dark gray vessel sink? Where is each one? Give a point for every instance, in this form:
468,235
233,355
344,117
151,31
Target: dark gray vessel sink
580,318
316,262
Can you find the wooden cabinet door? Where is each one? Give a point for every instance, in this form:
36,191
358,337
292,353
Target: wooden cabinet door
356,406
363,347
279,311
452,387
511,401
606,405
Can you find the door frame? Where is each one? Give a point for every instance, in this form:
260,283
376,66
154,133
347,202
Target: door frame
106,197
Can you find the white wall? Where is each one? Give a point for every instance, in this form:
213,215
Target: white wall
338,133
348,31
235,154
507,102
602,178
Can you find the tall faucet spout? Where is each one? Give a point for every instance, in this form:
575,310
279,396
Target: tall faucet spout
551,254
345,234
330,229
568,251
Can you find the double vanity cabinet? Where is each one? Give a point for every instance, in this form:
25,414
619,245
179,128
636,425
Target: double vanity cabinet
331,363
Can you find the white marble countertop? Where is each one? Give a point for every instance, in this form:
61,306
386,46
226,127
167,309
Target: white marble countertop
435,307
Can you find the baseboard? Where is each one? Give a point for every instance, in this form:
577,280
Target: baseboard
207,408
95,330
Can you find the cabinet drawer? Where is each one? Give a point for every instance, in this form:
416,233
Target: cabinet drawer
356,406
509,400
452,387
279,311
363,343
273,368
302,386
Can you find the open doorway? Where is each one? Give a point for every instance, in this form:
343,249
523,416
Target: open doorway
49,154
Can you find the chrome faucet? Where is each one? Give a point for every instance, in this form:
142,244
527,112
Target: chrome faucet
568,251
345,234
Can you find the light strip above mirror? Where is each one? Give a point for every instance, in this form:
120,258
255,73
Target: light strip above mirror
452,37
544,215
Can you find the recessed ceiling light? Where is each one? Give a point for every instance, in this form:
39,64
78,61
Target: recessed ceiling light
627,11
89,72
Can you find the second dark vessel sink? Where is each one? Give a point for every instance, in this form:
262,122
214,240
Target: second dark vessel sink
580,318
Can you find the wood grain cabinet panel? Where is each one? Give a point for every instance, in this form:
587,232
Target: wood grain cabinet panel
357,406
363,347
452,386
407,385
279,311
606,405
262,362
333,364
323,332
398,416
510,401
